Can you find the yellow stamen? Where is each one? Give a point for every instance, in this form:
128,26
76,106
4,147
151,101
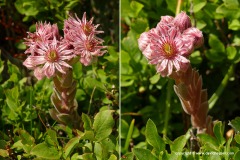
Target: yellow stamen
167,49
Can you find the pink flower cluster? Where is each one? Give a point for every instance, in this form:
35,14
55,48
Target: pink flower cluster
169,45
49,53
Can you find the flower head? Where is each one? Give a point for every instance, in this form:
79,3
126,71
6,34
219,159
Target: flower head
49,58
167,51
44,32
169,44
81,34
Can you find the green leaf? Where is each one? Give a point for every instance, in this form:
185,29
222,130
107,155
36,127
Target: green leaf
89,156
198,6
11,96
113,55
237,155
130,45
129,136
28,7
228,12
152,136
20,45
26,138
136,8
93,82
201,24
231,4
109,144
218,130
227,147
3,144
130,9
140,25
172,5
125,129
53,135
154,79
237,138
235,124
70,146
102,125
214,55
43,150
210,143
231,52
234,25
87,122
89,135
113,157
71,5
128,156
4,153
215,43
179,143
196,58
143,154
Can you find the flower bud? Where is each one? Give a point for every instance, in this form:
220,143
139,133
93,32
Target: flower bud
194,34
183,21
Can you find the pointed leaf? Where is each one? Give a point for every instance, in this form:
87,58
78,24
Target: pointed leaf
235,123
70,146
43,150
237,138
102,125
87,122
53,135
143,154
218,130
153,138
179,143
128,156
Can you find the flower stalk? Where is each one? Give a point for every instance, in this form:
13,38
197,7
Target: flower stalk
63,99
168,47
194,99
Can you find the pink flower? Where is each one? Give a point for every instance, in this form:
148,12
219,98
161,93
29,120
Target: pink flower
169,44
44,32
81,34
75,24
49,59
166,19
195,35
144,39
88,48
167,52
183,21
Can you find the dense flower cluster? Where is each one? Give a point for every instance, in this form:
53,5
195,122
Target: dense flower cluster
81,34
169,44
50,53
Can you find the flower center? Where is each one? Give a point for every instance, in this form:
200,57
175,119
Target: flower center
87,29
52,56
168,49
90,45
